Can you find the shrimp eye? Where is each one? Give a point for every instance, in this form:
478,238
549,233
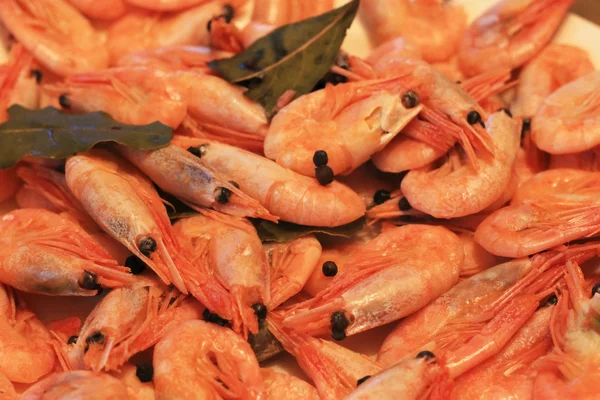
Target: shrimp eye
235,184
550,301
404,205
89,281
320,158
473,117
223,195
37,74
135,264
362,380
214,318
324,175
525,128
228,13
506,111
330,268
410,99
144,372
198,151
381,196
64,101
427,355
596,289
147,246
339,323
260,310
72,340
96,337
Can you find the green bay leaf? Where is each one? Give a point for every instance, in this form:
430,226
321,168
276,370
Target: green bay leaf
293,57
286,231
51,133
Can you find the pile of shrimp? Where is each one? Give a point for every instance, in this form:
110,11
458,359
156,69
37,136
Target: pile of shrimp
471,152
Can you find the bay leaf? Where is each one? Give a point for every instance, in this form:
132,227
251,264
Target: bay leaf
286,231
264,344
293,57
54,134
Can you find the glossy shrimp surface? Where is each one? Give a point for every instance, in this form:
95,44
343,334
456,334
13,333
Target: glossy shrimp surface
74,385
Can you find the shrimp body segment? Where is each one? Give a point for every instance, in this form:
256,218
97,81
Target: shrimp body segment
567,120
284,193
74,385
350,122
204,360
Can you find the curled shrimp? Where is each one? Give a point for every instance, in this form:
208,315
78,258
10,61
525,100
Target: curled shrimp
107,10
73,385
292,263
452,191
395,274
48,254
24,341
203,360
136,95
141,29
553,208
434,27
284,193
349,121
233,251
182,174
555,66
179,57
509,34
279,385
566,121
477,259
55,34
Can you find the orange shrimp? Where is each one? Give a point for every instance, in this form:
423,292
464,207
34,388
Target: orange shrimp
390,51
477,259
279,385
566,121
136,388
394,275
48,254
179,57
434,27
203,360
553,208
455,190
10,183
587,160
135,95
18,82
25,351
55,34
555,66
233,252
73,385
292,263
284,193
166,5
509,34
7,390
350,122
106,10
182,174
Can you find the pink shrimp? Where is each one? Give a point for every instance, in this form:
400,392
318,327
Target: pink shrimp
555,66
48,254
73,385
7,390
284,193
166,5
18,82
24,341
434,27
55,34
10,183
107,10
177,56
202,360
136,388
477,259
510,33
395,274
566,121
279,385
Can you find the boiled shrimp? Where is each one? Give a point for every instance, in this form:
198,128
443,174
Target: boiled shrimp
136,389
434,27
395,274
10,183
166,5
509,34
555,66
529,160
292,263
477,259
18,85
441,192
107,10
48,254
587,160
335,370
136,95
182,174
553,208
350,122
7,390
141,29
215,363
279,385
179,57
565,122
56,34
73,385
24,341
390,51
284,193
